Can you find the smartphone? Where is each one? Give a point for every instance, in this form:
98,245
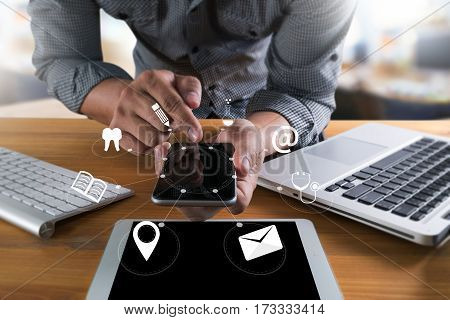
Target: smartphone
197,174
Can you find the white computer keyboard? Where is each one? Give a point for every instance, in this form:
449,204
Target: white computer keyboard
34,194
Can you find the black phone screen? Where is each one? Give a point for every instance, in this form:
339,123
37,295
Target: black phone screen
205,261
197,172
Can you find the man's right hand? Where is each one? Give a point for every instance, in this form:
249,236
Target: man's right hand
141,128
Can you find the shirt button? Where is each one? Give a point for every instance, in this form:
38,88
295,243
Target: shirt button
122,16
212,87
334,57
194,9
194,49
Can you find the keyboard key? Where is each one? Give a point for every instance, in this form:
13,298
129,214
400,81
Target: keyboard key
428,176
401,194
441,197
434,203
418,169
350,178
404,210
371,171
53,211
361,175
109,195
414,185
394,199
434,186
348,185
404,176
426,140
383,190
371,183
67,208
340,183
391,160
407,163
380,179
394,170
55,203
417,216
77,201
387,175
357,191
408,189
422,196
390,185
400,167
332,188
426,209
429,192
384,205
41,206
371,197
398,181
415,202
421,180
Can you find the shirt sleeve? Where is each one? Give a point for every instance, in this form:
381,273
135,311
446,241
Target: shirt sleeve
68,55
303,62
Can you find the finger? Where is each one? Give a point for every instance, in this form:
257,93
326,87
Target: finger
160,152
160,86
245,188
144,132
132,145
246,156
190,89
140,103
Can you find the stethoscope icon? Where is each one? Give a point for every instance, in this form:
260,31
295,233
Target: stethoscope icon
306,177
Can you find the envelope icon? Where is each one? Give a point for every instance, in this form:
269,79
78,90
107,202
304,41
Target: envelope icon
260,242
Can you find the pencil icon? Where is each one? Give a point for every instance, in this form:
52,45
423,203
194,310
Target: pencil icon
161,115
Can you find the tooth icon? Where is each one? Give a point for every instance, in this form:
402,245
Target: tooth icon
112,135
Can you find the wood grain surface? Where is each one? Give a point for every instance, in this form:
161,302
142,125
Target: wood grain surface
367,263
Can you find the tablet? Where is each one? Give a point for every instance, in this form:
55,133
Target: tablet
214,260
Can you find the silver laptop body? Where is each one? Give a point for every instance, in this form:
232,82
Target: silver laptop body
392,179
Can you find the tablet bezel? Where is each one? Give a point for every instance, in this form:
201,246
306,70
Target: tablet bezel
324,279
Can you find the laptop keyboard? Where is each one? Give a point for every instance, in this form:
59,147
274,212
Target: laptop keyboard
46,187
409,183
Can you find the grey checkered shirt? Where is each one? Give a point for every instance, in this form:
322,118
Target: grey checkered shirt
281,56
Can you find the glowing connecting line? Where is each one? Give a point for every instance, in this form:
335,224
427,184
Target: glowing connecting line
161,115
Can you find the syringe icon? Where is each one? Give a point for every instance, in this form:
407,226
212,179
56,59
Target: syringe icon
161,115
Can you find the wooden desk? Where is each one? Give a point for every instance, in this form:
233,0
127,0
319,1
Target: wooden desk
368,263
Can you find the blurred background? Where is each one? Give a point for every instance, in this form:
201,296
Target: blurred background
396,61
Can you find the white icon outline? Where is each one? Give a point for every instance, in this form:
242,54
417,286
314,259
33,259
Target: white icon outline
161,115
313,185
146,248
284,143
88,186
260,242
114,135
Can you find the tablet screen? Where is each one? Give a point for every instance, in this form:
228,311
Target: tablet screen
215,260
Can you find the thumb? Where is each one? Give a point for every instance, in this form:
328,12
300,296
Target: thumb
160,152
190,89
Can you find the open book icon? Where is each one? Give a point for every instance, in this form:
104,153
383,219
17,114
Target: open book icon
88,186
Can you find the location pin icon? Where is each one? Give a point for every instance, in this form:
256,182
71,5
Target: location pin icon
146,248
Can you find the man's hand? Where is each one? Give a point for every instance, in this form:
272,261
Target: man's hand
132,113
248,156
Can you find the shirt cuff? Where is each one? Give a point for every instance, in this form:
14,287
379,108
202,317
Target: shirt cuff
71,81
301,115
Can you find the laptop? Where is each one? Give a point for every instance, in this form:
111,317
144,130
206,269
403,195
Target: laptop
392,179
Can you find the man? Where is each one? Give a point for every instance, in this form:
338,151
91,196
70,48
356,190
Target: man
276,61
